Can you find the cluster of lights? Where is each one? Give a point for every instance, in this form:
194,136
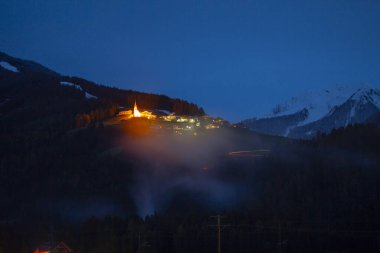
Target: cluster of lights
179,124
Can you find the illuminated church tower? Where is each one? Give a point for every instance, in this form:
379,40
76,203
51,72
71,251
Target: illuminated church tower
136,112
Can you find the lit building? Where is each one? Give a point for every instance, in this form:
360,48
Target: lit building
135,113
50,247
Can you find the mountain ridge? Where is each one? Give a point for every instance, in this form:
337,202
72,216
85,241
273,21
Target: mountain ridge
27,65
321,112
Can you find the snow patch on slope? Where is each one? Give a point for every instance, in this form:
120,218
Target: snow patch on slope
87,95
287,131
72,85
90,96
8,66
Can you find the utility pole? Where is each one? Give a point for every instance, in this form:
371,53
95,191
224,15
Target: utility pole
218,218
279,238
51,235
281,241
219,228
138,246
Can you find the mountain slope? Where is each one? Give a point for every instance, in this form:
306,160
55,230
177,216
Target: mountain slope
321,112
33,98
25,66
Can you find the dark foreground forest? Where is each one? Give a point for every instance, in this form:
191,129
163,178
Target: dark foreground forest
314,196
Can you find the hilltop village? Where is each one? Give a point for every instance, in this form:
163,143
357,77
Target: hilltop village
160,119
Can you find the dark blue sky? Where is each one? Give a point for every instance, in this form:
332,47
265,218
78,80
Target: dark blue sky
235,58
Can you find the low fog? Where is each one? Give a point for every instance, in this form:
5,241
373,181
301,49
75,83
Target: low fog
168,163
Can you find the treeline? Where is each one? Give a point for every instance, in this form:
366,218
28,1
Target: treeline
145,101
240,232
363,138
97,115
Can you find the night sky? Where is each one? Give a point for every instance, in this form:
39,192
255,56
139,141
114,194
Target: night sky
235,58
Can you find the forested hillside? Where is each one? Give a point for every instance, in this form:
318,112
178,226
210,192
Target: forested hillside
35,98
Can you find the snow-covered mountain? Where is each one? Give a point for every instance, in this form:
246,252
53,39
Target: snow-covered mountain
313,112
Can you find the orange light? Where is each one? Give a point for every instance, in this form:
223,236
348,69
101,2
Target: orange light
136,112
